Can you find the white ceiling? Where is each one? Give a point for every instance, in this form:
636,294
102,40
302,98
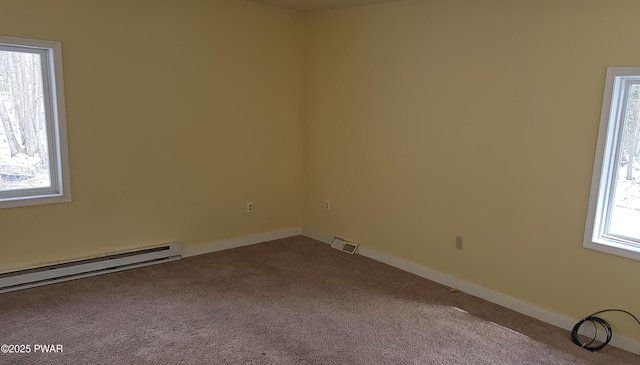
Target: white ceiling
309,5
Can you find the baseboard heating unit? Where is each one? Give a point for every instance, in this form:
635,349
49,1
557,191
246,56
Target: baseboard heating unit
71,270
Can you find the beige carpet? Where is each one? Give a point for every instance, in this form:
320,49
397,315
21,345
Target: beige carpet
291,301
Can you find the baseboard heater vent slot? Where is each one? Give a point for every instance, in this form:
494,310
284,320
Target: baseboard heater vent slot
344,246
64,271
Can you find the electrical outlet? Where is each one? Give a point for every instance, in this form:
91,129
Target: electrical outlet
327,205
459,242
249,207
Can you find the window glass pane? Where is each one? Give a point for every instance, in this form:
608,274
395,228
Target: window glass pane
24,150
625,210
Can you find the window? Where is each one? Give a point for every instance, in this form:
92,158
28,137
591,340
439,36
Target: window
613,223
33,148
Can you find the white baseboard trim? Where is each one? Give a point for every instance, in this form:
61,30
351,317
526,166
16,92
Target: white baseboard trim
514,304
317,235
188,251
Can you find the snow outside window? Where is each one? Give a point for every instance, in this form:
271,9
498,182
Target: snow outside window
33,148
613,222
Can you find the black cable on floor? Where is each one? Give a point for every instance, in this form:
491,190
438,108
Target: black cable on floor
595,321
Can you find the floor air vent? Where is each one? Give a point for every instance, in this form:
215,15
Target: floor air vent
22,279
345,246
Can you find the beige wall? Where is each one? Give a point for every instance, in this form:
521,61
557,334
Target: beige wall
419,120
179,112
431,119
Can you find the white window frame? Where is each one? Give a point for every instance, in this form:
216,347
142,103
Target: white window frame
60,190
606,166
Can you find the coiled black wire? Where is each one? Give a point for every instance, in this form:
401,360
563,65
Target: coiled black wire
595,321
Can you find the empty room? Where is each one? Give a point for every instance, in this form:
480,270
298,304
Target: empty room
319,182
